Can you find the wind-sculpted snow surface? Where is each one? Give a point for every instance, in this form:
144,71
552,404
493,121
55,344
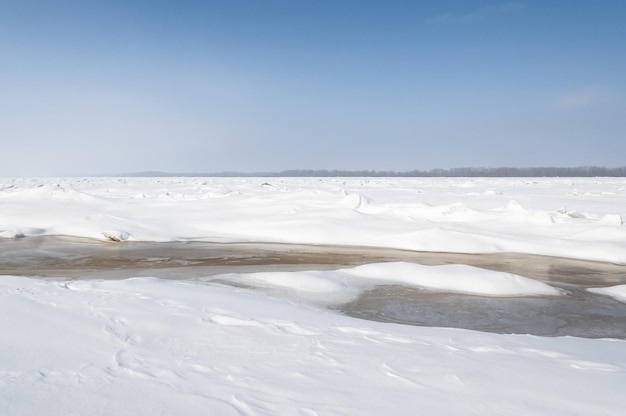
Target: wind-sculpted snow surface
574,217
149,346
343,285
266,343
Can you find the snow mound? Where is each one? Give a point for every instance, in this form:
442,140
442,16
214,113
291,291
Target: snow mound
455,278
355,201
617,292
345,284
309,282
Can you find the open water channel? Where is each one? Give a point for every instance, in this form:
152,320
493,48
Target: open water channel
580,313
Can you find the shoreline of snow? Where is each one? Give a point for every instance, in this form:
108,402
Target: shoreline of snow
146,345
573,218
339,286
617,292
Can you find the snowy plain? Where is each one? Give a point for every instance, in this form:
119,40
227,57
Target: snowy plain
152,346
573,217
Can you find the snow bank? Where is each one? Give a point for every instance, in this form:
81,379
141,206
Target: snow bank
345,284
149,346
618,292
581,217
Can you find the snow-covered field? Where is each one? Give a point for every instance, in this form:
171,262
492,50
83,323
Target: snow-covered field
270,346
579,218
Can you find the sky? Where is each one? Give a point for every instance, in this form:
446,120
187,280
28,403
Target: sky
120,86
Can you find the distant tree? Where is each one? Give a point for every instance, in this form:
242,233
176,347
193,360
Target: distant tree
469,172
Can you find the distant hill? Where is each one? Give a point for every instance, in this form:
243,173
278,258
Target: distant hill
581,171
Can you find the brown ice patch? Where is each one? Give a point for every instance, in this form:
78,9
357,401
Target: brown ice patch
58,256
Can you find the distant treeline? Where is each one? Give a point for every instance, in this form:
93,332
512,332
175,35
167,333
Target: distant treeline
581,171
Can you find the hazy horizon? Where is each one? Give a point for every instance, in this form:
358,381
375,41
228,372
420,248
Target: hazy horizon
496,172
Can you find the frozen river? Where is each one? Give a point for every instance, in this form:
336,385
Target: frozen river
312,296
580,313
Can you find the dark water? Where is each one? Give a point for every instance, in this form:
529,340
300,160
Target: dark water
578,313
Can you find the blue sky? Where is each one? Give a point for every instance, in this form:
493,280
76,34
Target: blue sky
90,87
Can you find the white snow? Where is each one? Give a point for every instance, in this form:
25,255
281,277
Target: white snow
343,285
574,217
269,346
149,346
618,292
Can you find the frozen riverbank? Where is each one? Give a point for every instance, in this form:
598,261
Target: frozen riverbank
254,332
144,345
579,313
71,257
574,217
